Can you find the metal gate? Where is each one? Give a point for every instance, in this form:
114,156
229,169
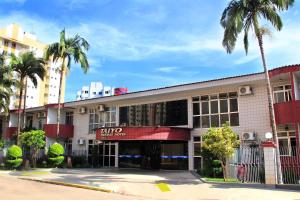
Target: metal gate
290,164
247,165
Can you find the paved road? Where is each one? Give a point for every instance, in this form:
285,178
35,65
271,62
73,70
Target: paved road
13,188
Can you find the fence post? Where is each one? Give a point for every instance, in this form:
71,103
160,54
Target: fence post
270,162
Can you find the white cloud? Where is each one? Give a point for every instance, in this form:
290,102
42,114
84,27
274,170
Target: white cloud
166,69
76,4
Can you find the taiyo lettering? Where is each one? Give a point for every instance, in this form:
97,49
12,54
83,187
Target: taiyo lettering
112,132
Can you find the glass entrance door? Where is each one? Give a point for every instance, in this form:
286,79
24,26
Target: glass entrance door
109,154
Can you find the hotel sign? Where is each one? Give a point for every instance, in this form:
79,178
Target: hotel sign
108,132
142,133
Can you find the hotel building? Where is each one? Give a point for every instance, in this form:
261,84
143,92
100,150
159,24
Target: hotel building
162,128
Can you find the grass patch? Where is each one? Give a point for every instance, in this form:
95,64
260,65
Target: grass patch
221,180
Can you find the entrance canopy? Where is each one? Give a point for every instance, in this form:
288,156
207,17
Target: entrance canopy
143,133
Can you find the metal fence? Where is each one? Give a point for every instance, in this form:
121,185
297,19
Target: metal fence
290,164
247,165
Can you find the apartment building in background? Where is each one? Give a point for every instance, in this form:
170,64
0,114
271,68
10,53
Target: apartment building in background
14,40
97,89
163,127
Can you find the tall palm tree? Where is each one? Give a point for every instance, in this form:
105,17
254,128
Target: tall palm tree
6,83
64,51
26,66
243,16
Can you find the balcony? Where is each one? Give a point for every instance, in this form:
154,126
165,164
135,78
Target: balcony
287,112
10,132
65,130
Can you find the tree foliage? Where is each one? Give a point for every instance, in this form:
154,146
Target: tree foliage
221,142
33,141
6,83
26,66
243,15
66,51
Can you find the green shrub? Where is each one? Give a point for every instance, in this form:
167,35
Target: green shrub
55,154
14,152
14,156
56,149
56,161
14,163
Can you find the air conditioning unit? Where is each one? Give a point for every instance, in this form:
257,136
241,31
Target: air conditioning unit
41,115
81,141
249,136
101,108
245,90
82,110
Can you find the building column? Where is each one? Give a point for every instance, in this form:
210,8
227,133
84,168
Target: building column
293,85
191,154
117,154
190,112
270,162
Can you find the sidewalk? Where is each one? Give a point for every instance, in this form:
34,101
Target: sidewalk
175,185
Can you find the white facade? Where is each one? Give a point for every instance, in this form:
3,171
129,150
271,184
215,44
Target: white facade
96,89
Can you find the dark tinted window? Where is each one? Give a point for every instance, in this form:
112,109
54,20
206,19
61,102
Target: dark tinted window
171,113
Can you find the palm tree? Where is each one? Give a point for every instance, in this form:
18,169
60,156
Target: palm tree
26,66
6,83
243,15
66,50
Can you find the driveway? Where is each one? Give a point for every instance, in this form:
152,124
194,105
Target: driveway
181,185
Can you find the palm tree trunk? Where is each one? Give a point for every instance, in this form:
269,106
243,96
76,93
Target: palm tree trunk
19,109
271,108
59,98
24,106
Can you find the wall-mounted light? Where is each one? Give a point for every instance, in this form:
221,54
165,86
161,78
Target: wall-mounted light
268,136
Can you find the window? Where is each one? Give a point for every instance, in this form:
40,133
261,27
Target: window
68,147
171,113
197,152
215,110
29,121
287,143
102,119
13,45
40,124
6,43
69,118
282,93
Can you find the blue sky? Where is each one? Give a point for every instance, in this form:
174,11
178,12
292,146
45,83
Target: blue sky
142,44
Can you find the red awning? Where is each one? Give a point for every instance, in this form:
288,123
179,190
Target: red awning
143,133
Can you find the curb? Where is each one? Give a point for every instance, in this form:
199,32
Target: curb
69,185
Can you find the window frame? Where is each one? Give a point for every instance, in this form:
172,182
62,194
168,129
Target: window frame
197,156
209,100
99,119
288,137
287,98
